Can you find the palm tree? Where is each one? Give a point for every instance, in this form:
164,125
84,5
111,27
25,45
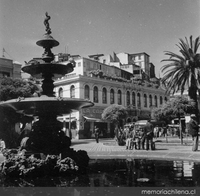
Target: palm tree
183,71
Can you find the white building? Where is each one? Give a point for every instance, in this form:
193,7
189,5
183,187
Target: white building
105,85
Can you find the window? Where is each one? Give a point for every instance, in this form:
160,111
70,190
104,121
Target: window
138,100
165,99
133,98
128,98
72,91
161,100
150,100
104,95
87,92
95,95
112,96
119,97
60,92
156,101
145,100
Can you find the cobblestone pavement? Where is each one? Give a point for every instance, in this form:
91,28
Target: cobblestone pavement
107,149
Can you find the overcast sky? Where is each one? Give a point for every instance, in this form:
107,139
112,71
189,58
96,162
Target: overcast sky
88,27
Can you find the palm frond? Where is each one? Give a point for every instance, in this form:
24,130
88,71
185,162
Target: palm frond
196,44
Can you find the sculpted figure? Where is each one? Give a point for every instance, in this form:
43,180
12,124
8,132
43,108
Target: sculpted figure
46,23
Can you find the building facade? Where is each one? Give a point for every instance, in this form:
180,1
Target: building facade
10,68
104,85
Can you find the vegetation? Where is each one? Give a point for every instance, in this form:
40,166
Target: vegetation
183,71
11,88
20,165
115,114
176,107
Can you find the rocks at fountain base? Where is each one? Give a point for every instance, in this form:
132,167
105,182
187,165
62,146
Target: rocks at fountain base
22,165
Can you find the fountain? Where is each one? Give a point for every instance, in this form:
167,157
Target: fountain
46,149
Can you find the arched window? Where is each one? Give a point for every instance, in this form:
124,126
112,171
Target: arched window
104,95
95,94
133,98
60,92
156,101
145,100
112,96
138,100
128,98
72,91
119,97
150,101
161,100
87,92
165,99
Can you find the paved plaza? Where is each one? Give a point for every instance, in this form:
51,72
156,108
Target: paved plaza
166,149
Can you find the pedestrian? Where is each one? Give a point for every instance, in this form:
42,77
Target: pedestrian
129,138
148,132
96,133
193,130
139,138
155,130
121,138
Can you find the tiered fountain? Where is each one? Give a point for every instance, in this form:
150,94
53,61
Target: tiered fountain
46,138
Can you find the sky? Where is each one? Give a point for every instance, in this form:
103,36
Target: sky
86,27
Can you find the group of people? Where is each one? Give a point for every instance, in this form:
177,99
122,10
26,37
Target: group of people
141,138
159,131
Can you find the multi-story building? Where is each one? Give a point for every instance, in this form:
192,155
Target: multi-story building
10,68
106,84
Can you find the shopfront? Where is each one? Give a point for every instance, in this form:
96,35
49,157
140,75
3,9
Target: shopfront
92,117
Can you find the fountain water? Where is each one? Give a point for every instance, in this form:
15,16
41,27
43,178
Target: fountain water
46,137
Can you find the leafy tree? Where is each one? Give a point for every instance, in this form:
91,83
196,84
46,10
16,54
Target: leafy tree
173,108
11,88
176,107
114,113
183,71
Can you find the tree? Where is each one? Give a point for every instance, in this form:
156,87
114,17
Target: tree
183,72
11,88
114,113
176,107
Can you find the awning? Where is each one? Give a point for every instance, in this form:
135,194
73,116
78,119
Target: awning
61,119
89,119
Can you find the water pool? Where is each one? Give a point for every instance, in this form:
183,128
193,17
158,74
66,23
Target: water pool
121,173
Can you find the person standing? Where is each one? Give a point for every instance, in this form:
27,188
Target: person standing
129,137
155,130
148,131
193,130
96,133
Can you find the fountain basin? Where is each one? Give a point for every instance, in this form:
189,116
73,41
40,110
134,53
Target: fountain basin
44,104
37,69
